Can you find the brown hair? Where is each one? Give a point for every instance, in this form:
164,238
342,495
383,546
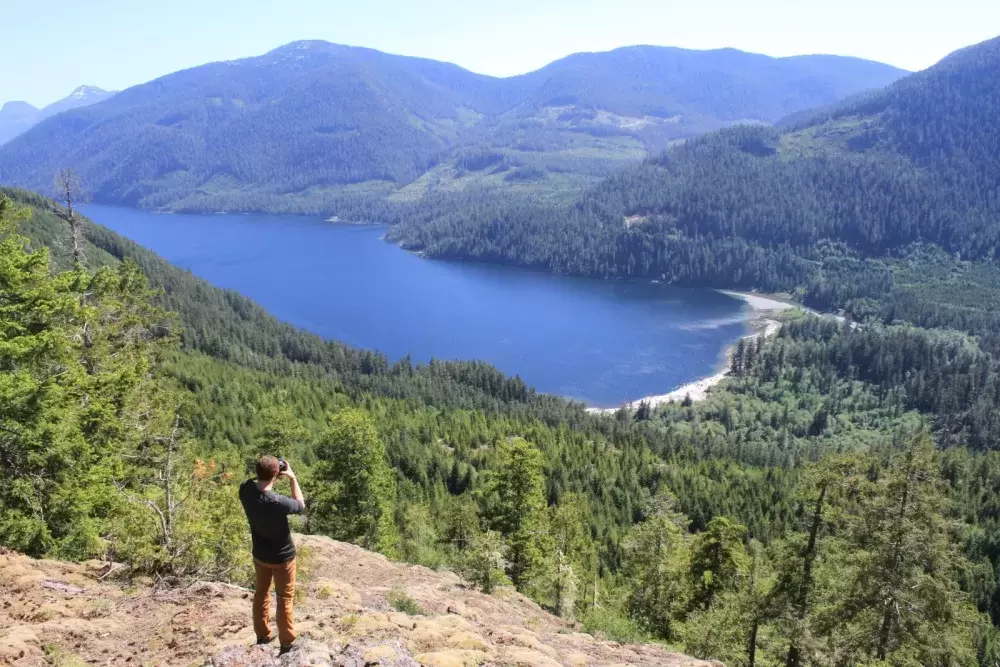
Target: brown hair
267,468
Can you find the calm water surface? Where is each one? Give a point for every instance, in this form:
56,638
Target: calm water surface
603,342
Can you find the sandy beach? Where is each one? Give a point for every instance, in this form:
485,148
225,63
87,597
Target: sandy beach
760,307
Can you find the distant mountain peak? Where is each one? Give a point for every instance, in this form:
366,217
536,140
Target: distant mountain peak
299,50
85,91
309,46
15,118
81,96
17,106
304,44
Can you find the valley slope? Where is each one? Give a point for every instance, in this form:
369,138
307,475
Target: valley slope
311,124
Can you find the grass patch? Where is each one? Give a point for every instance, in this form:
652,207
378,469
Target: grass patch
57,656
402,602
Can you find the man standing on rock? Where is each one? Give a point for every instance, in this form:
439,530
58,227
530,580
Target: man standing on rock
273,549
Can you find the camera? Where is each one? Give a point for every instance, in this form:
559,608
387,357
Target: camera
282,464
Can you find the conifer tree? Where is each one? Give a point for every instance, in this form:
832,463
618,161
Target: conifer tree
355,490
515,493
656,567
756,597
418,537
485,561
730,629
564,585
70,191
42,448
900,567
76,354
575,556
280,432
718,558
800,550
462,523
177,517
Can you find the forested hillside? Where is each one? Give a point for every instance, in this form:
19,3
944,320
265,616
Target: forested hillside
310,124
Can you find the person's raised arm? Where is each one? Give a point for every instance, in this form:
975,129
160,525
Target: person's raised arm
296,491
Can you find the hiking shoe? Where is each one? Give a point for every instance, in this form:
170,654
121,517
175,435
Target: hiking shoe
285,648
265,640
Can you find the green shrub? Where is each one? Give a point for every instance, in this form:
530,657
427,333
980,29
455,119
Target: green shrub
402,602
612,625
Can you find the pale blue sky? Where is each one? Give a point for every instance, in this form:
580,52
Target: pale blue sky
48,47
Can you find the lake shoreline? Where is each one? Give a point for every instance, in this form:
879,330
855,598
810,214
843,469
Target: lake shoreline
760,306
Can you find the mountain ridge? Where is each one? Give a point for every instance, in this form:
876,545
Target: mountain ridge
310,122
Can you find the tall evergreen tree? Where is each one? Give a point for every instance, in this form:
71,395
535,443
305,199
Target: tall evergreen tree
656,568
280,432
718,559
575,557
42,448
355,490
900,567
514,495
800,550
76,355
486,561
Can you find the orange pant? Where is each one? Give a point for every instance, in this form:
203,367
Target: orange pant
284,587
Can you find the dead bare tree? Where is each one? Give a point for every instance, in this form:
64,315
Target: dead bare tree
70,191
170,506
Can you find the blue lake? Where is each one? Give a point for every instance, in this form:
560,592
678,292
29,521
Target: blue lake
602,342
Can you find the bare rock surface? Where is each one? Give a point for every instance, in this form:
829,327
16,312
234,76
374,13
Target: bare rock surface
55,613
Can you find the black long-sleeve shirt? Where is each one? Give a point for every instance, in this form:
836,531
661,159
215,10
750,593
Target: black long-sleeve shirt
267,513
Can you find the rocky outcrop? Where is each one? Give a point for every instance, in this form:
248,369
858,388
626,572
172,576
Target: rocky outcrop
55,613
